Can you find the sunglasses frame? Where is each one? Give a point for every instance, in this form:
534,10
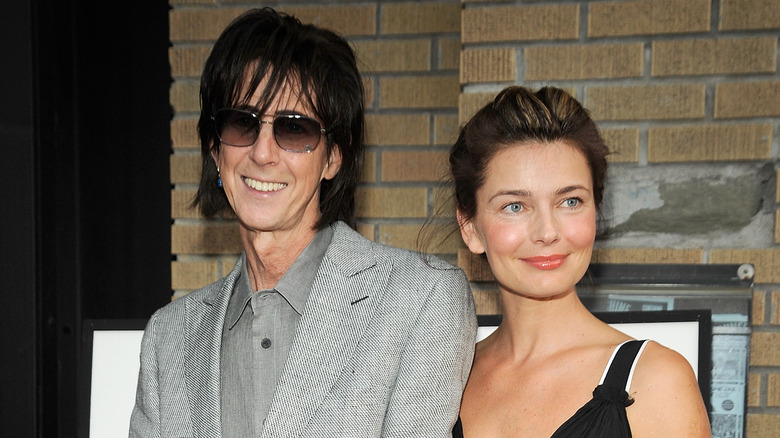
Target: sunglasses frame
259,118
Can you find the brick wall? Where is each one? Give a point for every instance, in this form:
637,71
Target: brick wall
687,94
679,88
408,54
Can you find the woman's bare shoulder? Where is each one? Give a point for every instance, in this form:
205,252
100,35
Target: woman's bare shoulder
666,394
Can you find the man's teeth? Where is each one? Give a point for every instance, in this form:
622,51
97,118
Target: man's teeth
264,186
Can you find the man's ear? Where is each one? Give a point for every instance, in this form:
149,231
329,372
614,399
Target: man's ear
469,234
215,156
334,163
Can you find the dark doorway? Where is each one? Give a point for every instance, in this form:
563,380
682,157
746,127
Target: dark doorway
84,124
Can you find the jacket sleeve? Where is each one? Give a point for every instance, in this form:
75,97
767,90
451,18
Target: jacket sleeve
145,419
436,362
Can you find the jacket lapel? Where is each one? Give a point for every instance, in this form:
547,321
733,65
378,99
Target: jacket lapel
345,293
204,318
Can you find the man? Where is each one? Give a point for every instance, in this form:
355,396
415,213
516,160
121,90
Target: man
316,331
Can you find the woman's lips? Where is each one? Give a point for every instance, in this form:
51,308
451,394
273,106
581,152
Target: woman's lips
546,263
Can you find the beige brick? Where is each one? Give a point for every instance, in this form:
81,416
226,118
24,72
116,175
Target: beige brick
366,230
444,203
646,102
470,103
200,24
188,61
419,92
754,390
443,239
749,14
414,166
623,144
648,17
369,87
714,56
394,55
445,129
398,129
175,3
596,61
773,389
391,202
762,425
763,349
475,266
207,24
184,133
185,168
449,53
777,226
520,23
346,20
181,201
709,143
747,99
205,239
487,65
428,239
184,96
369,167
759,308
775,308
193,275
487,301
420,17
647,255
766,262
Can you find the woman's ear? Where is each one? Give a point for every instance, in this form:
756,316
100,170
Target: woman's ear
469,234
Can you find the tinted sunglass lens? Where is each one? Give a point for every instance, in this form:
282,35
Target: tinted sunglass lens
237,128
296,133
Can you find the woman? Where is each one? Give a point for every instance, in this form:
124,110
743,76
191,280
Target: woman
529,174
316,331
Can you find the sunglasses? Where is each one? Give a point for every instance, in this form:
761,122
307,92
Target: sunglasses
292,132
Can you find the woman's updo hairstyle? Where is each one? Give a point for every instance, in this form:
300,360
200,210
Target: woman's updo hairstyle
517,115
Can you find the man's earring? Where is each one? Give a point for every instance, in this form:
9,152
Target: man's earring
219,178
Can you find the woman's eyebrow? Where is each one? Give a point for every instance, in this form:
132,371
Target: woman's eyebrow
569,189
516,193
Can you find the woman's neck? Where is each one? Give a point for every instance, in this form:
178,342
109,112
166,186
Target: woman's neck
533,327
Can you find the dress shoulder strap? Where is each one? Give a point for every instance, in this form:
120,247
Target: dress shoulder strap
620,368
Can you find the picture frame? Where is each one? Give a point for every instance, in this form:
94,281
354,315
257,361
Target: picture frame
108,376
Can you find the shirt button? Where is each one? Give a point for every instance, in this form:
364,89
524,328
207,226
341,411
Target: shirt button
266,343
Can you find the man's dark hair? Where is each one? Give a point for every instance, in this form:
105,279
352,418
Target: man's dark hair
265,44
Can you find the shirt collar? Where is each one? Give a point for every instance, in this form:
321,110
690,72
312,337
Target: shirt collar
294,285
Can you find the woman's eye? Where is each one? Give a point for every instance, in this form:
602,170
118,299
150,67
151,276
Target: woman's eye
571,202
514,207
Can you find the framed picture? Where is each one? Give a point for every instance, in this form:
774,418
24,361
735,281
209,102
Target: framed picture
689,332
108,376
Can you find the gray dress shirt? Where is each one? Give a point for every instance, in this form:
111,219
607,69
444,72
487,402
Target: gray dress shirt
256,338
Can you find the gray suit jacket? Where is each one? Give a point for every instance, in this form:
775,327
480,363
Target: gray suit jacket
383,348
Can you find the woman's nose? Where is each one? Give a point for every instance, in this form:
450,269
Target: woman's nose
545,228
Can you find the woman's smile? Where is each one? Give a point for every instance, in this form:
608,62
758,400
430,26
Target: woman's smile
546,263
